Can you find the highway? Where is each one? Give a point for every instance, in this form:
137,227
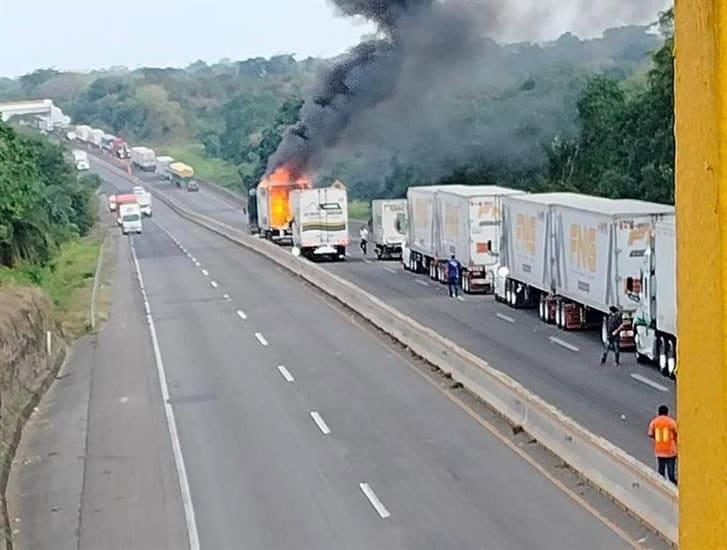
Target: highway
299,429
561,367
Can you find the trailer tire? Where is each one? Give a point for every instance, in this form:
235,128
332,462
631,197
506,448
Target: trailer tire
671,358
604,330
542,310
661,355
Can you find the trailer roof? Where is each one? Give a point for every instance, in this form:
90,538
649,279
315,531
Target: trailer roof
601,205
479,190
165,158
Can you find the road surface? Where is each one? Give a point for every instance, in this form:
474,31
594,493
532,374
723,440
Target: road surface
561,367
297,428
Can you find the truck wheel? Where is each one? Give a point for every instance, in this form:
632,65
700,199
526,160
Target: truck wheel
671,359
466,284
604,330
542,312
661,355
378,254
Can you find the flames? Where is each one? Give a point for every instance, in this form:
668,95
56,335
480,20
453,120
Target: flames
279,184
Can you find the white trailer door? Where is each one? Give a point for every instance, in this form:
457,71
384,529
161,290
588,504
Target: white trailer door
484,230
526,248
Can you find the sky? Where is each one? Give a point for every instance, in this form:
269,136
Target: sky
92,34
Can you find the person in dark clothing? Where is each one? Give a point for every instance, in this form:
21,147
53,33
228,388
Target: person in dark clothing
614,325
454,272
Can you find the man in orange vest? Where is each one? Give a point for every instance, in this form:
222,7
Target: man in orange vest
663,430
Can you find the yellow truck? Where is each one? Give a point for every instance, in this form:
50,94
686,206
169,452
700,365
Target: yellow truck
181,174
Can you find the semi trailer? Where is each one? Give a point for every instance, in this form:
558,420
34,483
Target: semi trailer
143,158
388,227
82,132
95,136
574,256
421,240
320,222
656,315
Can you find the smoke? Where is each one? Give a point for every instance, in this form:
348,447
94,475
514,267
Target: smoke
414,93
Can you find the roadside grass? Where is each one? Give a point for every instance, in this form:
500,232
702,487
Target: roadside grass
207,168
68,280
359,210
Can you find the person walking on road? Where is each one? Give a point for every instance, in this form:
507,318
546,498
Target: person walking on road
614,325
363,236
454,272
663,430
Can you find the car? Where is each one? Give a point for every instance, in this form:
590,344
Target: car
192,186
139,190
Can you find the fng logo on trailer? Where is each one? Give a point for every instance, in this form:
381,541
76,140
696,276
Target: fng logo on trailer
525,233
583,247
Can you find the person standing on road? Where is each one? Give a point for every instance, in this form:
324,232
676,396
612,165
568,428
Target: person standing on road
363,236
614,325
454,272
663,430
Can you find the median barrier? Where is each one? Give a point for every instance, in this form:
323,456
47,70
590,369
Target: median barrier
631,483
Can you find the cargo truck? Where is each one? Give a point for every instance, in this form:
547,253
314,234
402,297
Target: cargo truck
656,316
143,158
273,207
95,136
572,256
130,216
467,225
421,240
143,199
80,159
320,222
107,142
82,132
162,167
122,199
181,174
388,227
120,149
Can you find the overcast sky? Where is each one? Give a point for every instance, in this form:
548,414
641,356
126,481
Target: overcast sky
90,34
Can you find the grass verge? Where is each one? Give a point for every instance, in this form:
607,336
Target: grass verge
359,210
206,167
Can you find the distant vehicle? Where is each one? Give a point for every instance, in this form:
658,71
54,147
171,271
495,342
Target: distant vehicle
112,203
120,149
80,158
192,186
95,136
162,167
143,198
656,317
130,215
143,158
181,174
388,226
82,132
320,221
107,142
122,199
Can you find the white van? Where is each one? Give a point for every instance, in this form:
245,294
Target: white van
130,216
80,158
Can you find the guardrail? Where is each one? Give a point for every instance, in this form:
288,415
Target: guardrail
628,481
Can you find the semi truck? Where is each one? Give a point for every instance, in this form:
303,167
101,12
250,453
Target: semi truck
82,132
107,142
656,316
120,149
574,256
181,174
388,227
421,240
467,225
143,158
162,167
95,136
320,222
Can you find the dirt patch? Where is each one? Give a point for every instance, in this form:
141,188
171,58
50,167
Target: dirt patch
26,370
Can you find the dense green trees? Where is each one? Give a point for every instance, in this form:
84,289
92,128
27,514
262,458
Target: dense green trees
42,201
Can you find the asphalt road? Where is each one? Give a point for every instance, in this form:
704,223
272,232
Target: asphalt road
298,429
561,367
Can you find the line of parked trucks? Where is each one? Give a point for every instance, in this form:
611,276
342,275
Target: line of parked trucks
569,256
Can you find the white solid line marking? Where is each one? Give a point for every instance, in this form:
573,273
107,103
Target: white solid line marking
288,377
318,419
649,383
189,516
261,339
197,264
205,273
226,296
420,282
374,500
213,284
505,318
563,344
241,314
193,258
392,271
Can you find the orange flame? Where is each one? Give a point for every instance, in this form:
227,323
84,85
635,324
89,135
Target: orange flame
279,184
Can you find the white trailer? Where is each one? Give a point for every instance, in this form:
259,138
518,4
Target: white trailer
95,136
585,250
162,167
320,222
388,226
422,238
82,132
656,317
143,158
467,226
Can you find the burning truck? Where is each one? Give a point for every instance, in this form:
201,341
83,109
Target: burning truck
274,213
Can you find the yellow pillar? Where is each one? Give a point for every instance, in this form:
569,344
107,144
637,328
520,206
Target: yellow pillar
701,197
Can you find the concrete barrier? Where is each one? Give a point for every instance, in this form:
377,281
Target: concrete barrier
628,481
